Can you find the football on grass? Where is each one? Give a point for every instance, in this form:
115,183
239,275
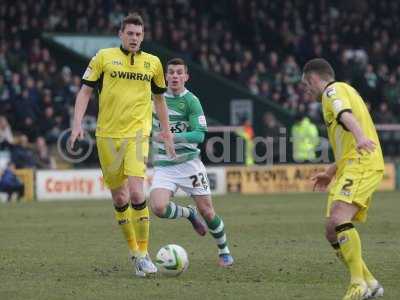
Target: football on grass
172,260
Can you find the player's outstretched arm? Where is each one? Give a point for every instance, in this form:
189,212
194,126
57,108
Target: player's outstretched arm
81,103
162,114
363,143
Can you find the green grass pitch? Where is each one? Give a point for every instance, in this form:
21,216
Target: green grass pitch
74,250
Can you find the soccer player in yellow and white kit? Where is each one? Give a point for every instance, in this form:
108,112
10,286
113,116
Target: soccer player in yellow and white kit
126,77
358,171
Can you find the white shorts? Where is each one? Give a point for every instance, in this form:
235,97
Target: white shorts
190,176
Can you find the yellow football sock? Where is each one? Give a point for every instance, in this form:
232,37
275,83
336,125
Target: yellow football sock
123,216
350,246
369,278
141,224
338,252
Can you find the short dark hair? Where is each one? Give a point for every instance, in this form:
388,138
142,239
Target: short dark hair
177,61
132,18
321,67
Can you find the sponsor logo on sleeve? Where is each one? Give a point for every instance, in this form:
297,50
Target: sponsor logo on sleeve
337,105
87,73
330,92
202,121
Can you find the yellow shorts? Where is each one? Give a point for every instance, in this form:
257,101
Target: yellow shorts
121,157
355,185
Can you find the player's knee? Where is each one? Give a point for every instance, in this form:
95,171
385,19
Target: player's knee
330,229
120,199
136,197
330,233
335,220
158,208
207,212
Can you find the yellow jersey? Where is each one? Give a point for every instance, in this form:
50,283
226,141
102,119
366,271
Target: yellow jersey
337,98
125,83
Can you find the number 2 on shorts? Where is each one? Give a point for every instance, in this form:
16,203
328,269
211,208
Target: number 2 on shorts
349,183
203,180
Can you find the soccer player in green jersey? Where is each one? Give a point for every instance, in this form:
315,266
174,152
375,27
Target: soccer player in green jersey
185,171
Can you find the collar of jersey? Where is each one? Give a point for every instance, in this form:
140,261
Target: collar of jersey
185,91
126,52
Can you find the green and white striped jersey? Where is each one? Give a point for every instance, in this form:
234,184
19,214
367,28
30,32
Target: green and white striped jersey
185,115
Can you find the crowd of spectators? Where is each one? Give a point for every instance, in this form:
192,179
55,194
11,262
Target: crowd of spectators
260,44
263,44
36,98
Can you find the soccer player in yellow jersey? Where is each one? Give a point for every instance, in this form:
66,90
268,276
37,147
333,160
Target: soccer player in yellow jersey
358,170
126,77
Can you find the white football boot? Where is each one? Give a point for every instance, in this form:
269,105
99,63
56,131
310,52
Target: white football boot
375,290
143,266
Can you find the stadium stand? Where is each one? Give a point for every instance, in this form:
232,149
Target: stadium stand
262,47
